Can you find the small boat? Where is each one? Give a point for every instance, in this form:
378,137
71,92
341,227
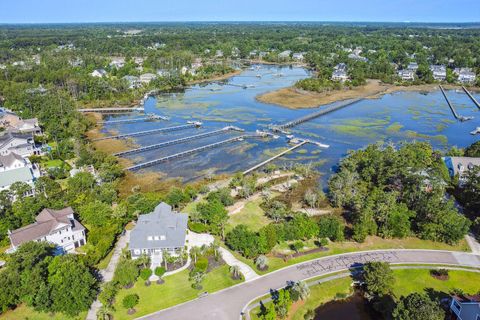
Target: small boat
476,131
259,75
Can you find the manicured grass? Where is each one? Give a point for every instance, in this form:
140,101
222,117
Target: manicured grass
251,215
371,243
26,313
175,290
56,163
406,281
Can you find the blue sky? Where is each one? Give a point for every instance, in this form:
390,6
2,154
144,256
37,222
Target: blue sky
36,11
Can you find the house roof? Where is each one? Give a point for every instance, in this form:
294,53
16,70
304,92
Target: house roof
9,159
470,307
164,227
15,175
47,221
461,164
9,136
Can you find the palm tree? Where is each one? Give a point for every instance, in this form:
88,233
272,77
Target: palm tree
104,313
235,271
165,256
302,289
195,252
215,246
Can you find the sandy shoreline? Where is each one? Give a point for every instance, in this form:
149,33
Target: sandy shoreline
294,98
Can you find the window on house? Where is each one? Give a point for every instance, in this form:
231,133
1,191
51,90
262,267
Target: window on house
156,237
163,237
149,238
456,305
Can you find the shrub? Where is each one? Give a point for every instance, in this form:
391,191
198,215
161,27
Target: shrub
261,262
160,271
323,242
202,264
145,273
297,246
197,227
130,301
126,273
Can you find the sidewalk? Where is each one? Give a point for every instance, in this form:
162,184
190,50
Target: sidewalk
473,243
107,273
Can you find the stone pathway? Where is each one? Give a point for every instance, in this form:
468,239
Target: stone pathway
107,273
248,273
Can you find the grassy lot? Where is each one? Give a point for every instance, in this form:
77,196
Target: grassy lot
406,281
103,264
371,243
26,313
175,290
251,215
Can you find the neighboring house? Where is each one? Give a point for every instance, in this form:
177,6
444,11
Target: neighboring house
27,126
23,174
133,81
465,307
340,72
89,169
298,56
19,143
460,166
284,55
58,227
439,72
412,66
465,75
14,161
357,57
99,73
161,230
76,62
117,63
219,54
147,77
406,75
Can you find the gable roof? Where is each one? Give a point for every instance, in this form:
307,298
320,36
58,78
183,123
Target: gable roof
168,226
47,221
15,175
9,136
9,159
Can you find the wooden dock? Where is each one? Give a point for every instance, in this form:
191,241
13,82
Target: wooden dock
192,151
274,157
176,141
153,131
112,110
450,105
471,97
146,119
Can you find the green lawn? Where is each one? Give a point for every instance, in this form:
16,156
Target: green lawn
103,264
26,313
175,290
371,243
406,281
251,215
56,163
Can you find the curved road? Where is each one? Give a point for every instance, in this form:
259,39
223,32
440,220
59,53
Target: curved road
228,303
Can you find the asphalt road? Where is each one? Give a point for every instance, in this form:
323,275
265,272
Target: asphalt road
229,303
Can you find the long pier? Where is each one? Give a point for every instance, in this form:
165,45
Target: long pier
314,115
192,151
177,141
471,97
146,132
112,110
455,114
274,157
147,118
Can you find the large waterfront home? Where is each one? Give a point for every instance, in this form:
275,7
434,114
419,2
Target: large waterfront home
159,231
459,166
19,143
465,307
58,227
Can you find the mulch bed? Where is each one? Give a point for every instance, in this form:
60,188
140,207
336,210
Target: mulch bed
440,277
287,257
174,266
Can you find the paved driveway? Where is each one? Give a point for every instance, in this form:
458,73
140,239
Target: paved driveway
228,303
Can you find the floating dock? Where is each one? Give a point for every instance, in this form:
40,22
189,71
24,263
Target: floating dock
192,151
471,97
177,141
450,105
308,117
146,132
112,110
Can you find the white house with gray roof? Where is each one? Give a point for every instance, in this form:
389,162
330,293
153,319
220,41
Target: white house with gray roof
19,143
158,231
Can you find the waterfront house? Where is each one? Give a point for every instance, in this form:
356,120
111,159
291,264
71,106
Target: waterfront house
19,143
58,227
298,56
413,66
99,73
133,81
459,166
14,168
357,57
159,231
465,75
284,55
439,72
147,77
10,121
340,72
465,307
406,75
